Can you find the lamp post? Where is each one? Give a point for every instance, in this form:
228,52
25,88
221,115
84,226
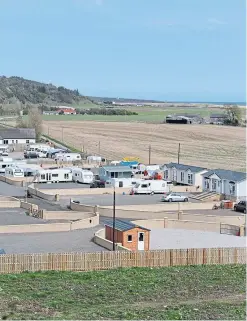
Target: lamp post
114,217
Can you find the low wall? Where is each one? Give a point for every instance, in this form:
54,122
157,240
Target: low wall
82,207
6,201
192,225
35,228
85,191
150,224
86,222
28,206
43,194
99,238
16,181
183,189
65,215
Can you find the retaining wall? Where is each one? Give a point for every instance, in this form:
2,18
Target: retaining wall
34,228
85,191
43,194
6,201
99,238
192,225
82,207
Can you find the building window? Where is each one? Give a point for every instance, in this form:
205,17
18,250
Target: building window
182,176
129,238
112,174
42,176
13,141
190,179
232,189
27,141
66,176
55,175
16,141
5,141
166,174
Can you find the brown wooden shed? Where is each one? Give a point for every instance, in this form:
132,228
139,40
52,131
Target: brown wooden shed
130,235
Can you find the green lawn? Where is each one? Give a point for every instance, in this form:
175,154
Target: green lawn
210,292
149,115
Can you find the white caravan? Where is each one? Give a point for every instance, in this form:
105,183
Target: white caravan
4,149
151,187
55,175
122,182
14,172
82,176
38,148
68,157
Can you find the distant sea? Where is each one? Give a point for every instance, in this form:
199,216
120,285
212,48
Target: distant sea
241,103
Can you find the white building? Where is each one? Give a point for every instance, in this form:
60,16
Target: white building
12,136
229,183
184,174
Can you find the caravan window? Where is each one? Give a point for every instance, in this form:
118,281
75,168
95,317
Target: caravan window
42,176
66,175
144,186
54,175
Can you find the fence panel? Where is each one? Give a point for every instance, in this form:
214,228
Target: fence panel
16,263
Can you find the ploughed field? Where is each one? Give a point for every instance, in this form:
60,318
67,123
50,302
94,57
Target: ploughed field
209,146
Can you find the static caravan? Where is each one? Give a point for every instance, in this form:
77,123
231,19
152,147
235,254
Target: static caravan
54,175
14,172
95,159
4,150
68,157
82,176
122,182
38,147
4,165
151,187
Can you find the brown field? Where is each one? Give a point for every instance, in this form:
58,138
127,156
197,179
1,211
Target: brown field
203,145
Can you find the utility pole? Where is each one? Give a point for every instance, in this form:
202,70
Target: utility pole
149,155
114,218
178,152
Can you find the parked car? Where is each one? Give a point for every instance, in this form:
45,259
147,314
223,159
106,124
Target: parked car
174,197
97,184
240,207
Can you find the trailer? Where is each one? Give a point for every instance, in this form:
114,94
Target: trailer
56,175
68,157
14,172
4,150
151,187
80,175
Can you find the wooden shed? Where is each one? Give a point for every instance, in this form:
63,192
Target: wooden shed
131,236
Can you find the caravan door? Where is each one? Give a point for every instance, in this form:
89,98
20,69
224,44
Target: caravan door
48,177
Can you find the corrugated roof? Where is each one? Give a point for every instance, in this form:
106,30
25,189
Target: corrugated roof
117,169
227,174
17,133
194,169
123,225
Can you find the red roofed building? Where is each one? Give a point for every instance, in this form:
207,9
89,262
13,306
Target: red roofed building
67,110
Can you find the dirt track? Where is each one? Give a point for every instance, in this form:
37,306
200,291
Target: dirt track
204,145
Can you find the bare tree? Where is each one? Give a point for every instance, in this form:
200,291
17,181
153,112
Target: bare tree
34,120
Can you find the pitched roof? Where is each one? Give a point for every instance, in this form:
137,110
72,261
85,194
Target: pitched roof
226,174
121,225
194,169
117,168
17,133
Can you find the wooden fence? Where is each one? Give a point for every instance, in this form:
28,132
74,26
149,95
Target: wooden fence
16,263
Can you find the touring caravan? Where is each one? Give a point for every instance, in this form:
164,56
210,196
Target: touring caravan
82,176
68,157
4,150
14,172
151,187
38,148
56,175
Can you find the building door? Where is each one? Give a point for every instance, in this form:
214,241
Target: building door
48,177
140,241
214,185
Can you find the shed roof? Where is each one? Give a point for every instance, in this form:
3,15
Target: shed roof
117,169
227,174
194,169
121,225
17,133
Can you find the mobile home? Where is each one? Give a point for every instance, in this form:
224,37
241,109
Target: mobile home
151,187
56,175
14,172
82,176
68,157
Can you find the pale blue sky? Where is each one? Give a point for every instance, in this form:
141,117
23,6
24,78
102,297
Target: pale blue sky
180,50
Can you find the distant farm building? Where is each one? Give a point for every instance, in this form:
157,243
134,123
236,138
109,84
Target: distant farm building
178,120
217,118
67,110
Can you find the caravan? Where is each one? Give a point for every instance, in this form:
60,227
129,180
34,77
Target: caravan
55,175
14,172
68,157
151,187
80,175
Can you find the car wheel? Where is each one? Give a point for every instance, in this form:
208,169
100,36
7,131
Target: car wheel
152,193
170,200
235,209
186,200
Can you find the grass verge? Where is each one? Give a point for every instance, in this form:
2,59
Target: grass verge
174,293
61,143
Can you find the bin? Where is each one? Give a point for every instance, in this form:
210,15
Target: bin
227,204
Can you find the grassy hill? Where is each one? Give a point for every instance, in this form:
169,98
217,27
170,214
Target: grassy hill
20,91
209,292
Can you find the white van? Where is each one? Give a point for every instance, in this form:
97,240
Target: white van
14,172
68,157
150,187
82,176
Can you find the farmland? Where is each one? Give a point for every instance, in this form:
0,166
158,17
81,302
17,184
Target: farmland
209,146
211,292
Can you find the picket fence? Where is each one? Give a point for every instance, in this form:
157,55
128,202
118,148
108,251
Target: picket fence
17,263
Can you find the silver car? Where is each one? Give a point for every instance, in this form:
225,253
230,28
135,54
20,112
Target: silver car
174,197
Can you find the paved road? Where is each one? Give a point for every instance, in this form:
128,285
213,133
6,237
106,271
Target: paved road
11,190
73,241
61,186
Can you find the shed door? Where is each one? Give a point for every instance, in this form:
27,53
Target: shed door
140,241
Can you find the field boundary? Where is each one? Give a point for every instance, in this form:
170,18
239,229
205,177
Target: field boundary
78,261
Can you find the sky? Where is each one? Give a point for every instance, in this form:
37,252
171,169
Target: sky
172,50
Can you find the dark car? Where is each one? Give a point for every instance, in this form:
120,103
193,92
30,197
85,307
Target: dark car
240,207
97,184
